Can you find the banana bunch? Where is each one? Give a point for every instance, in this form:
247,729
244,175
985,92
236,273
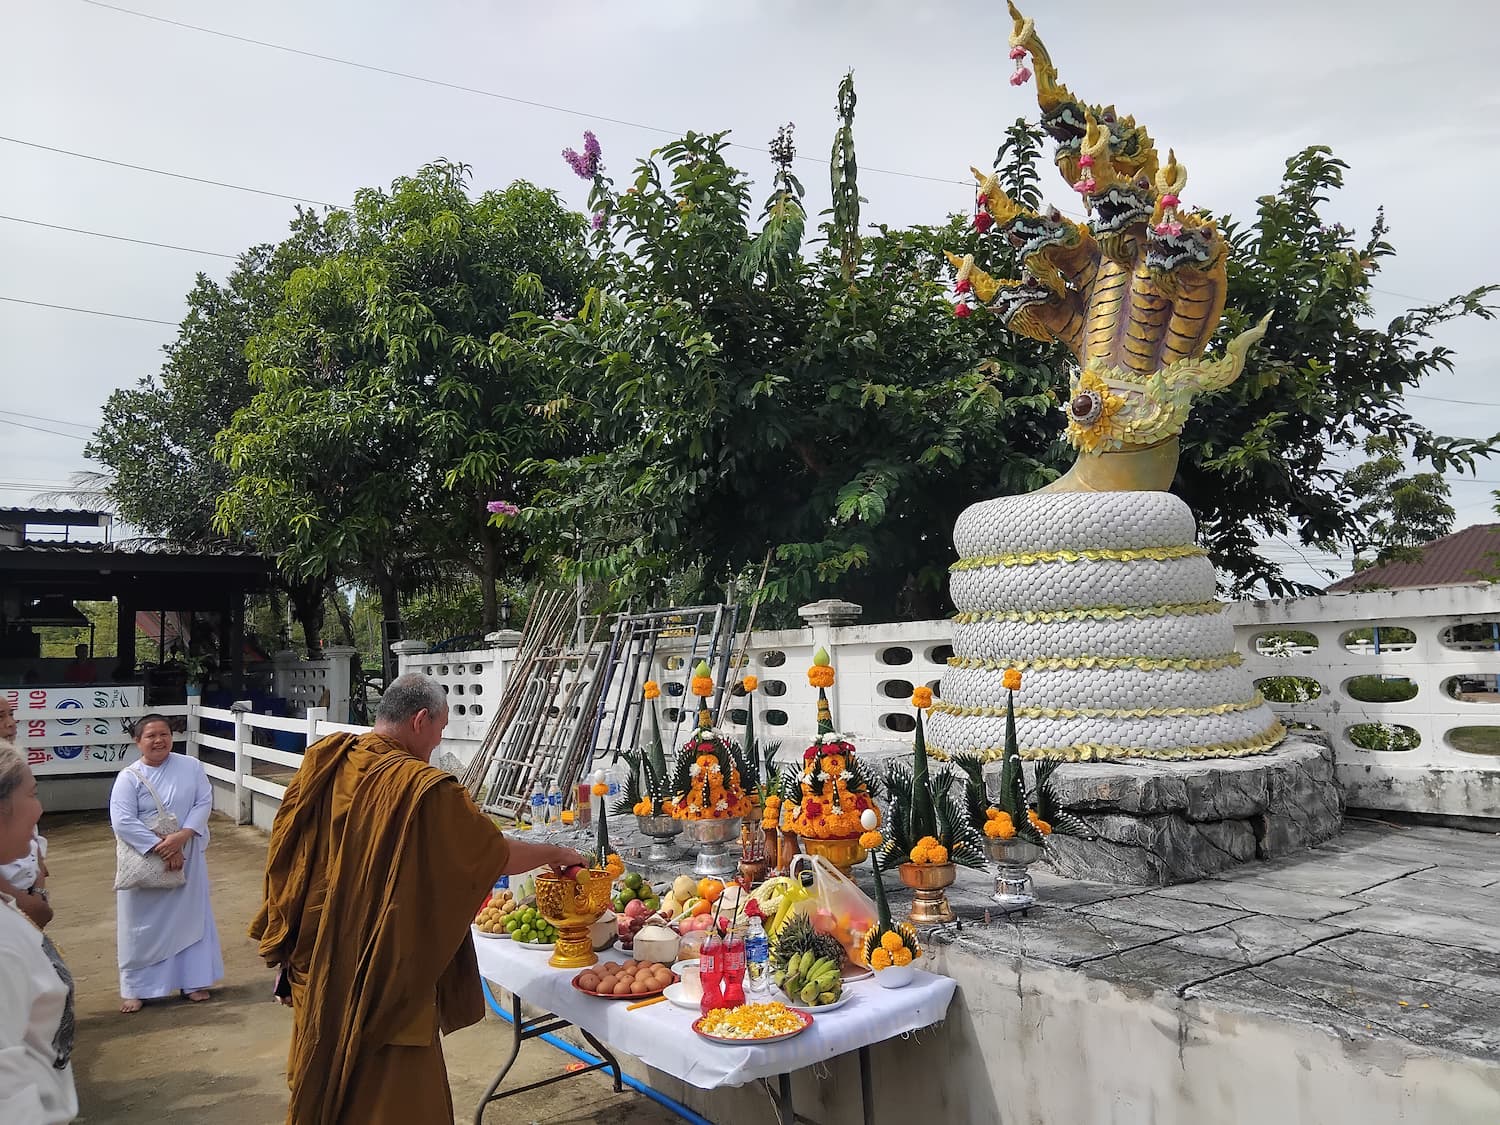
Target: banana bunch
811,979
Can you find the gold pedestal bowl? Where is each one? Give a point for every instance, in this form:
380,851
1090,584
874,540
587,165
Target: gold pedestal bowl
841,851
930,880
573,905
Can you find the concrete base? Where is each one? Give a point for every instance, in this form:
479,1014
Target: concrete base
1173,822
1381,781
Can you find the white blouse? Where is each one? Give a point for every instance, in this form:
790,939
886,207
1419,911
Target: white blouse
36,1026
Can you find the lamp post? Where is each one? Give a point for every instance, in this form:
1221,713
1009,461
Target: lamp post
505,612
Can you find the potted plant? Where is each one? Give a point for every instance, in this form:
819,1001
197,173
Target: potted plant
928,831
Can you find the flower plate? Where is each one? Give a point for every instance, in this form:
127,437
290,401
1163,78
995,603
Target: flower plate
806,1019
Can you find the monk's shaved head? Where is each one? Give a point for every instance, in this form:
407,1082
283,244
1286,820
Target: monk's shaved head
409,694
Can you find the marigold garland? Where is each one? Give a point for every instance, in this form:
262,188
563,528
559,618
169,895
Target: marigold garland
703,686
1072,663
871,840
1098,752
1101,712
820,676
1089,613
599,789
750,683
1011,681
921,697
652,689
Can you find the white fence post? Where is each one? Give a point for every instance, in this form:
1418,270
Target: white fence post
242,813
193,725
316,716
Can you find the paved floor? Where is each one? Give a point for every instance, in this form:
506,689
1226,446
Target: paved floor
225,1060
1388,931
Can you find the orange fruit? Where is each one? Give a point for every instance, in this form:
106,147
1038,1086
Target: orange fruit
710,889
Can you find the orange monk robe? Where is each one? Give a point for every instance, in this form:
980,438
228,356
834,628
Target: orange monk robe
376,867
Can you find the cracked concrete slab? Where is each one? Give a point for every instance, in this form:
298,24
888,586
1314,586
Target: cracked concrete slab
1336,874
1255,939
1359,1003
1181,915
1419,965
1261,898
1060,937
1149,969
1444,929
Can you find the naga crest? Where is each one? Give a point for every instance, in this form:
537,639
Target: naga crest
1136,294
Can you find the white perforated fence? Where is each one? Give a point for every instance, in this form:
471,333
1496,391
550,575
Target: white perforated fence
1406,684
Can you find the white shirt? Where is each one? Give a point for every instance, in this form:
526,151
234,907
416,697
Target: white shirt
23,873
35,1003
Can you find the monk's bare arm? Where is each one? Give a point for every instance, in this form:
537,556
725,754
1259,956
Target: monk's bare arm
525,856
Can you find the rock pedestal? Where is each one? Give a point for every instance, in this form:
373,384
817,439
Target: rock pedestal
1173,822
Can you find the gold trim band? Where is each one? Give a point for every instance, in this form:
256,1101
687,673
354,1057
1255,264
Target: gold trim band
947,708
1095,752
1091,613
1090,554
1138,663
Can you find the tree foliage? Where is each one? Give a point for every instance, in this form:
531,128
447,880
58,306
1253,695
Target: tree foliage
1396,511
391,401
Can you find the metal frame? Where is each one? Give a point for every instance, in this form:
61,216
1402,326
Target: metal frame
544,1024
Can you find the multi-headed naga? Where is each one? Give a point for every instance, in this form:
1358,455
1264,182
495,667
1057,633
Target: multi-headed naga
1135,294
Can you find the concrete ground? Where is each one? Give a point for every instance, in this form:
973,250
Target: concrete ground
225,1060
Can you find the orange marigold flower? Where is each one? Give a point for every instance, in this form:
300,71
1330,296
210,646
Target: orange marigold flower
820,675
652,689
891,941
750,683
937,854
880,959
599,789
871,840
902,956
921,697
1011,681
703,686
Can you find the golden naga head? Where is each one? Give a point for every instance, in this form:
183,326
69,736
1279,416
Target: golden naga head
1136,295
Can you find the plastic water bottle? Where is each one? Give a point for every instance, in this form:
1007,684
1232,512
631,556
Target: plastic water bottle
757,955
538,805
612,779
554,805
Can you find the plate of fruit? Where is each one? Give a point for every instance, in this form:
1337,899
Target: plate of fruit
624,980
528,928
492,916
752,1023
806,965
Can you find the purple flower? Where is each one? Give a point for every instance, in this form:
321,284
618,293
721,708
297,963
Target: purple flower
598,220
502,508
585,164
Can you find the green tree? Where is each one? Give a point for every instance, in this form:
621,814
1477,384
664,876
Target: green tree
1397,512
391,401
845,419
1262,458
157,438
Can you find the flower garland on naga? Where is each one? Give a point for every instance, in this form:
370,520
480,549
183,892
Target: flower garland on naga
827,798
708,783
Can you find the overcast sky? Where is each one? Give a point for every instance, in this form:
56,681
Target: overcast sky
1405,93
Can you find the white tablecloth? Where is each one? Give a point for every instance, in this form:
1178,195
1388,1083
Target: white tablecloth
662,1035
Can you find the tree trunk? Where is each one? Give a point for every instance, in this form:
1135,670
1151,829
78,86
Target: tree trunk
489,571
307,607
346,619
390,620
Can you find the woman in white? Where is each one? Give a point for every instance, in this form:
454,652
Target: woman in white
36,992
167,940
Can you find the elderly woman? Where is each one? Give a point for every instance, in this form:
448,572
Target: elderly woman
36,991
25,880
167,940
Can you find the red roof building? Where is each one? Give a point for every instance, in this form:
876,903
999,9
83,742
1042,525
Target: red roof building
1465,557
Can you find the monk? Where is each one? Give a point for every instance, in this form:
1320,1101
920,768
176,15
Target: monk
377,864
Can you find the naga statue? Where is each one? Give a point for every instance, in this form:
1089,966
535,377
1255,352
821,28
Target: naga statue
1136,295
1094,586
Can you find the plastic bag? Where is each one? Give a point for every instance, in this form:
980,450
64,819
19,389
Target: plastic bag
836,906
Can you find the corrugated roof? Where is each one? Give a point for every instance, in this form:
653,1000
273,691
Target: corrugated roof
1470,555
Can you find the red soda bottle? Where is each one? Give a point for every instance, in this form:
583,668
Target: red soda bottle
732,960
711,974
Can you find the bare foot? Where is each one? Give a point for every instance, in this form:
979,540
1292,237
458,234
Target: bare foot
199,996
128,1006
